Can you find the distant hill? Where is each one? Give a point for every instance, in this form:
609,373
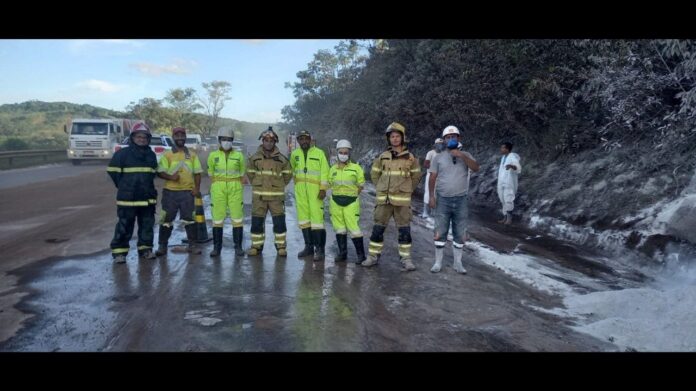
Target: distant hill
40,124
37,124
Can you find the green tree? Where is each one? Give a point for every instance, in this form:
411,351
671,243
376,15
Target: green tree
213,101
184,103
150,110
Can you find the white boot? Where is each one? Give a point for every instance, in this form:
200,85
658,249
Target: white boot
430,222
457,252
426,213
439,253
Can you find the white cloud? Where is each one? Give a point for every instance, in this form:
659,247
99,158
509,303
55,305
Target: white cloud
177,67
100,85
114,46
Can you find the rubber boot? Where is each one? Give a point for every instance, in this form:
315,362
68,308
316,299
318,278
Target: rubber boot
319,240
439,254
457,255
238,238
192,237
164,234
217,242
308,249
359,249
342,242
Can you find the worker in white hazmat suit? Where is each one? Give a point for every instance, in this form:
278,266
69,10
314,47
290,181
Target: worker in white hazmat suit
508,173
438,147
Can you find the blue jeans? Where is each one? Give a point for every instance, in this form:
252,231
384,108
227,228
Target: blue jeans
456,211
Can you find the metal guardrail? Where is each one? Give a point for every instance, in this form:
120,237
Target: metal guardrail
14,158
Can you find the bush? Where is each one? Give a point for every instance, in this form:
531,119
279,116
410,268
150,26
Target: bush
14,144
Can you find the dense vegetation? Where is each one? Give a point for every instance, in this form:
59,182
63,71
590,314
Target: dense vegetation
553,97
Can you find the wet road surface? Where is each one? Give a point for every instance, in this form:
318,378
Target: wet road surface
24,176
194,303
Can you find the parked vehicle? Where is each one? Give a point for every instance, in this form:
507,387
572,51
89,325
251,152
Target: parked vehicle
160,143
194,141
95,138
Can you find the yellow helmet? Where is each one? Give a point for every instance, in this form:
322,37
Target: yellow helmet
396,127
269,132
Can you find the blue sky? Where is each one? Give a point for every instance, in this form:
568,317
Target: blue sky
113,73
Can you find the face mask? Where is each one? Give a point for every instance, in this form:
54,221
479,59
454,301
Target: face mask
226,145
452,144
343,158
439,147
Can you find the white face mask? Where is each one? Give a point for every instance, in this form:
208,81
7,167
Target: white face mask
226,145
343,158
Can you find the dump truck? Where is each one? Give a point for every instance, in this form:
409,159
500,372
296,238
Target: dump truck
95,138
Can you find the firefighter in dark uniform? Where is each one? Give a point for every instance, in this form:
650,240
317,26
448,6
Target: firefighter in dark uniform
133,170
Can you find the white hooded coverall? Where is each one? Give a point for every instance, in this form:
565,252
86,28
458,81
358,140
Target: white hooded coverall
507,181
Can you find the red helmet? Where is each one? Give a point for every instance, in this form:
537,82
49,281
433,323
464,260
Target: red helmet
141,127
178,130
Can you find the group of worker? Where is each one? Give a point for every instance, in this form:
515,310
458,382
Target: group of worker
395,174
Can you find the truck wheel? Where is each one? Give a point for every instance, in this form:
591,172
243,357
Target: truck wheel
76,162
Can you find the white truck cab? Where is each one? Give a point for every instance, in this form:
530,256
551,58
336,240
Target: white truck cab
194,141
94,139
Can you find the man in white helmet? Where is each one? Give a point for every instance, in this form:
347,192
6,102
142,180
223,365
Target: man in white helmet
449,183
226,168
438,147
133,171
346,181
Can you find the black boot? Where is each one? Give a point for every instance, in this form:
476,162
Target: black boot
217,242
308,249
164,234
238,237
359,249
342,242
192,238
319,240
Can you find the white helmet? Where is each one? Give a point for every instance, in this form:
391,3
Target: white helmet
343,144
226,132
439,141
450,130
